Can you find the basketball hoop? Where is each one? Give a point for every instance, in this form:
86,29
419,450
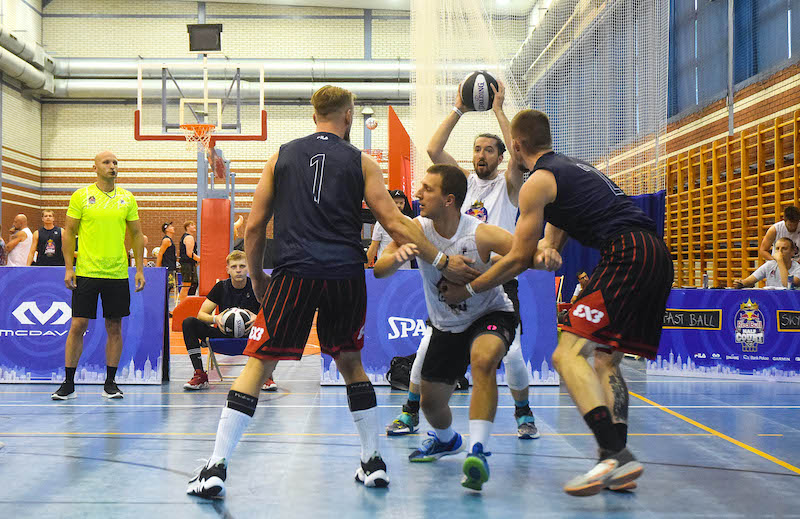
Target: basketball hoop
198,133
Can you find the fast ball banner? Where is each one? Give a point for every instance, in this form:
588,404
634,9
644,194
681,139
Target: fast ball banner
35,316
396,315
746,334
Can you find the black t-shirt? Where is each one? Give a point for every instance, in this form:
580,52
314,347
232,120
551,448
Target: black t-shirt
226,296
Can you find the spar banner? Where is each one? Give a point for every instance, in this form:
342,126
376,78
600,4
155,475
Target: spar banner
745,334
396,317
35,316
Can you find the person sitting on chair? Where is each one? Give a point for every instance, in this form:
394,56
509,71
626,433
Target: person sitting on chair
776,271
235,292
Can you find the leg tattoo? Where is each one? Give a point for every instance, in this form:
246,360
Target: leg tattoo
620,390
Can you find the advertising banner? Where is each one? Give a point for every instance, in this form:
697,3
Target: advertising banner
751,334
35,317
396,317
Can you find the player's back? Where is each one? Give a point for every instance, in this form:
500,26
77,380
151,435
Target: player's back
589,206
319,187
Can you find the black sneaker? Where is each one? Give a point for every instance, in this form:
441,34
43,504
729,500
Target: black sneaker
65,392
373,473
209,481
111,390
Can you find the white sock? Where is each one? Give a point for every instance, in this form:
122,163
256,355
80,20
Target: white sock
368,427
479,431
232,424
444,435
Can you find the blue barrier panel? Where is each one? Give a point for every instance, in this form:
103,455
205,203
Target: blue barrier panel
35,317
745,334
396,316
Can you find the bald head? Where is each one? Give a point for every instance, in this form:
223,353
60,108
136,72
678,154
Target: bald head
20,221
105,165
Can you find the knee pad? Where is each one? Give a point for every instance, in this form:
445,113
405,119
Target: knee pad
517,376
419,360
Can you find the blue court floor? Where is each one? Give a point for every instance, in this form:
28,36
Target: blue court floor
710,449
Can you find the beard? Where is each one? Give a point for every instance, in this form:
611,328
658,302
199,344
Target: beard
485,171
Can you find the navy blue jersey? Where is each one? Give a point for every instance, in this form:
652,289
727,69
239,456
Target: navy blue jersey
319,187
589,206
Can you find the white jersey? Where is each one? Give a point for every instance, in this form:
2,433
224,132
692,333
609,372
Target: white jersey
488,201
458,318
19,256
782,232
772,274
380,235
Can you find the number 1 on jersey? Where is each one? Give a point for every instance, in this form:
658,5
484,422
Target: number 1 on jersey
318,162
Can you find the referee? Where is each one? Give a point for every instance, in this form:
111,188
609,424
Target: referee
100,213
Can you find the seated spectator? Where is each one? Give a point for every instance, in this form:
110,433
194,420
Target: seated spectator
381,238
777,270
787,228
583,280
235,292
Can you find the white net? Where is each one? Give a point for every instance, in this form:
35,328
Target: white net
597,68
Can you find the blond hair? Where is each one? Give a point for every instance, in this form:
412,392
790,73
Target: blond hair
187,223
236,256
331,99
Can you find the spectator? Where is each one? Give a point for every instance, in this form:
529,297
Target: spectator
144,252
2,252
238,234
166,254
381,238
583,280
19,243
46,243
787,228
189,260
236,292
777,270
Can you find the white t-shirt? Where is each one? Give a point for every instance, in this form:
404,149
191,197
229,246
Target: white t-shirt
379,234
782,232
133,260
19,256
457,318
577,290
770,272
488,201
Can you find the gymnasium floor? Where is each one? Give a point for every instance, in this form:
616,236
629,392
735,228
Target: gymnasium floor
716,449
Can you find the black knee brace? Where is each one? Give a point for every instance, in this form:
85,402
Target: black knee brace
361,396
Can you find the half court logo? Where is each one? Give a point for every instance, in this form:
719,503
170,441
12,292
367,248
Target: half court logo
28,314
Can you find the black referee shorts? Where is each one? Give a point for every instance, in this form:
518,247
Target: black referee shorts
115,294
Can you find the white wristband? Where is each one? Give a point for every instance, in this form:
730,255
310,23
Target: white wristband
438,257
468,286
459,112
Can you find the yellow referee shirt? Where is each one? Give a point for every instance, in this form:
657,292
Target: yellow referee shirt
102,230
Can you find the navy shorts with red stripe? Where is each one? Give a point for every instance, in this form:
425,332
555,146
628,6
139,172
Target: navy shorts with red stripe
284,321
623,305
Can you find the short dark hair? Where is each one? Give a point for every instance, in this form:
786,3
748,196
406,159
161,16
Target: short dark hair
792,214
501,148
453,181
532,129
579,274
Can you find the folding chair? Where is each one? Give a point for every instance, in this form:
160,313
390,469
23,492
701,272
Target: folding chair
224,346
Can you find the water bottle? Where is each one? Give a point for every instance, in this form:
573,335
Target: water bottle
790,284
705,280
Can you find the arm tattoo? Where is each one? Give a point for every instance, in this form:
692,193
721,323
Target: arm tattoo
620,396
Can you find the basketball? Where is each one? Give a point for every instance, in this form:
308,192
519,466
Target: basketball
235,322
476,90
372,123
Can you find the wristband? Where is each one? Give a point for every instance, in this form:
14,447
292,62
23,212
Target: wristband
468,286
436,260
459,112
446,262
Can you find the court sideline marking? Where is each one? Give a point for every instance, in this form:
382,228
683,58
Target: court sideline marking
714,432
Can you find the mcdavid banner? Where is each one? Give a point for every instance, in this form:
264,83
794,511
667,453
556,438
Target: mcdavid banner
35,316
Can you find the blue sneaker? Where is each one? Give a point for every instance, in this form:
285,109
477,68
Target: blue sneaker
432,449
476,469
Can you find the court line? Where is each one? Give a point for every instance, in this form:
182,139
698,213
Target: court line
342,406
118,433
734,441
770,435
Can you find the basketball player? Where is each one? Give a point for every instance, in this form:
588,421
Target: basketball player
20,242
101,213
166,254
47,243
189,260
478,331
491,197
620,310
315,186
235,292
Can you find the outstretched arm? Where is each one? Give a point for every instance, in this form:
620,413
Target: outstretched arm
513,173
439,139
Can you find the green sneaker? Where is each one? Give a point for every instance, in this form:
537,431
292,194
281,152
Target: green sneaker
476,469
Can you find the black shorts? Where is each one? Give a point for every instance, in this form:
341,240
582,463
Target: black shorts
284,321
449,353
189,273
623,305
511,288
115,293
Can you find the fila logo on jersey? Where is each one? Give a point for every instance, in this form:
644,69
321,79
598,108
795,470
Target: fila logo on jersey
590,314
322,137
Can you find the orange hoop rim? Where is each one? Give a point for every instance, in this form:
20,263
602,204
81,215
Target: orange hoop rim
198,133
